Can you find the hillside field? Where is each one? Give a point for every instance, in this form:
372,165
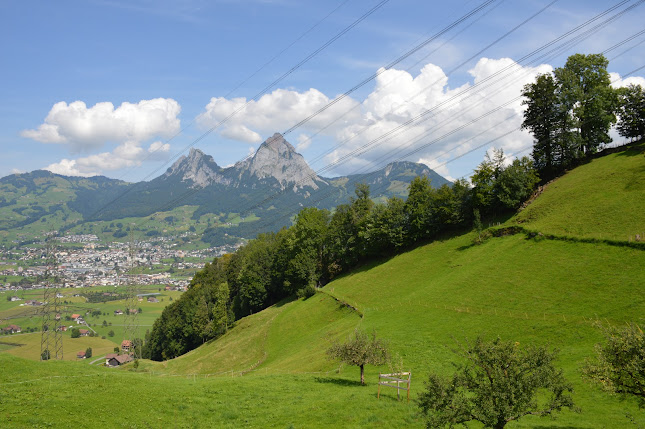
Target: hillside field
271,369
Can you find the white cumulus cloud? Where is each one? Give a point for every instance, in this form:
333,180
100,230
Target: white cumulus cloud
126,128
85,129
618,82
252,121
437,122
128,154
421,118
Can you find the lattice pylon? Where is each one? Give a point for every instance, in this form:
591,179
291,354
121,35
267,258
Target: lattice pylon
131,319
51,338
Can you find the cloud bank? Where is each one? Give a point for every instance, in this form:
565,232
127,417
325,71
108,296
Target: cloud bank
84,130
424,107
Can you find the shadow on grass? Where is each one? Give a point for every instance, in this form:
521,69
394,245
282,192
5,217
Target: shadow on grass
562,427
467,246
285,301
630,149
338,381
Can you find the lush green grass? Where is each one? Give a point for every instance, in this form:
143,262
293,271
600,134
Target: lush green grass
602,199
271,370
61,394
28,317
30,346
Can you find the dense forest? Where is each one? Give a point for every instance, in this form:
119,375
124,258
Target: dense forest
569,113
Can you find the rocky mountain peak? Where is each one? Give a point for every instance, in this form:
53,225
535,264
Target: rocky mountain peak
278,144
198,168
277,158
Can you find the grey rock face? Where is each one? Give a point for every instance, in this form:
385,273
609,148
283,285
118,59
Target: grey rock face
198,168
277,158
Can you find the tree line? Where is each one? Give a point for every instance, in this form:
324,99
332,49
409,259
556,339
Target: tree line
321,245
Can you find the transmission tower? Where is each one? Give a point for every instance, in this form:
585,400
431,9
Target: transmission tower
51,339
131,320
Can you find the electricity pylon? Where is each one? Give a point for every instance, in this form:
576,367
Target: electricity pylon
131,319
51,339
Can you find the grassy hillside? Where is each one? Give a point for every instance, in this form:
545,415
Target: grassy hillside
602,199
270,370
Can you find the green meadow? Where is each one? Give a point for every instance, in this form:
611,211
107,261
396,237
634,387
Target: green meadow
29,317
271,369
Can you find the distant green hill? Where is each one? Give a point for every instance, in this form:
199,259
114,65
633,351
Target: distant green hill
270,370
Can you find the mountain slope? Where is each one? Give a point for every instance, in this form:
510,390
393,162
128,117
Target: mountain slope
31,197
270,370
530,290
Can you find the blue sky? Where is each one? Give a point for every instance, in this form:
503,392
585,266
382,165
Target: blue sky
121,88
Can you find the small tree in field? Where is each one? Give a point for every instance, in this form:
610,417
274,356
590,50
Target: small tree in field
498,384
619,365
363,349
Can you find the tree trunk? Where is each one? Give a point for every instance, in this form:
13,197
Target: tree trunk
362,375
500,424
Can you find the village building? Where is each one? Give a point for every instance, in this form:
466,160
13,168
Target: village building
126,345
12,329
80,355
110,356
118,360
84,332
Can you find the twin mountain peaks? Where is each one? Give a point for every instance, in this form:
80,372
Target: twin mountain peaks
275,159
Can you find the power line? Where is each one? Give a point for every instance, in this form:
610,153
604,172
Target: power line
392,132
392,64
262,92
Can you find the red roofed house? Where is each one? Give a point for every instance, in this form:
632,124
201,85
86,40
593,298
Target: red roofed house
84,332
126,345
12,329
75,316
80,355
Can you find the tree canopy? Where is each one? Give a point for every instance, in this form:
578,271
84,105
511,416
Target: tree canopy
569,112
619,364
498,383
631,111
360,350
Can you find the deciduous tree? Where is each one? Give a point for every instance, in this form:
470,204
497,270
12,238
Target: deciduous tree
499,383
360,350
586,86
541,118
631,112
619,364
